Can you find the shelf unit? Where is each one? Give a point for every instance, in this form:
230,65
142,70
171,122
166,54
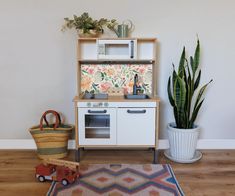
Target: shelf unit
146,48
87,54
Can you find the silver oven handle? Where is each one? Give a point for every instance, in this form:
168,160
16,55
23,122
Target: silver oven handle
97,111
136,111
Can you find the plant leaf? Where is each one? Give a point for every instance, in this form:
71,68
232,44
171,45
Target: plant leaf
174,76
169,92
191,62
176,116
201,91
179,92
179,97
197,80
181,63
194,114
187,81
196,58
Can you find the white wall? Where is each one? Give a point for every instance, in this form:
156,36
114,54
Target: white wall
38,61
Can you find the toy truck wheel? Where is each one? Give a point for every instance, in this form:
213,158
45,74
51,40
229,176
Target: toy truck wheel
41,178
64,182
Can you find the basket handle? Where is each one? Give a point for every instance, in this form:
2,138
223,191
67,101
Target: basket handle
56,114
53,112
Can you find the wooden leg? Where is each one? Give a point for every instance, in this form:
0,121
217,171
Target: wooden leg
155,156
78,155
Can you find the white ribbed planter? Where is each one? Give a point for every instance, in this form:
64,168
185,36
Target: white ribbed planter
183,142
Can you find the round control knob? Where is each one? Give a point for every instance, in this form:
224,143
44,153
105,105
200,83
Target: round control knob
88,104
100,104
106,104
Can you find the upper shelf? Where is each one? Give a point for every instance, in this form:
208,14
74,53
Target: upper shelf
106,50
116,61
144,39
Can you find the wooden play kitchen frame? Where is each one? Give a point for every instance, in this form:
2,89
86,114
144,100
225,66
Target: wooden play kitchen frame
119,122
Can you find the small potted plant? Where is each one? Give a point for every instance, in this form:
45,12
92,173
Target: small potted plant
183,133
87,26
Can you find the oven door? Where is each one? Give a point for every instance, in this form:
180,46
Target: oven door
97,126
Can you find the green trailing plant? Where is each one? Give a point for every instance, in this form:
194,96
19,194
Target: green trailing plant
181,88
86,24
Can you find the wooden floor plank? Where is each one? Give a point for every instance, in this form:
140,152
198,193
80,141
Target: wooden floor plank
213,175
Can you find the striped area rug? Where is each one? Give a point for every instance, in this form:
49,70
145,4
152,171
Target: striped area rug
121,180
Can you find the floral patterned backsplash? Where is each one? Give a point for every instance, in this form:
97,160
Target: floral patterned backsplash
107,78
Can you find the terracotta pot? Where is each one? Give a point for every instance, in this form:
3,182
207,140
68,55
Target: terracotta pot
92,33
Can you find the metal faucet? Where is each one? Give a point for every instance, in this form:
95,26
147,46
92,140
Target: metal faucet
136,88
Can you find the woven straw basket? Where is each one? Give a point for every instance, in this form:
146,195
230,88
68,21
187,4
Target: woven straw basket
51,139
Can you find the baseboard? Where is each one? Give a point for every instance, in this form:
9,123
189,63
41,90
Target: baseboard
219,144
163,144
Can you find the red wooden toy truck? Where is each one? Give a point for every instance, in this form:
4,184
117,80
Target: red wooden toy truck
62,171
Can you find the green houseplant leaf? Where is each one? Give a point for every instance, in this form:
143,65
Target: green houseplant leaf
196,58
179,96
179,92
169,92
181,63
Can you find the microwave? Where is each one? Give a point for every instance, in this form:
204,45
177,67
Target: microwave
117,49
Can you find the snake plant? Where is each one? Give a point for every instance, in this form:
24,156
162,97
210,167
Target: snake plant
181,88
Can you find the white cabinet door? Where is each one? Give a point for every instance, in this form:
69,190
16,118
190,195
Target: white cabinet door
97,126
136,126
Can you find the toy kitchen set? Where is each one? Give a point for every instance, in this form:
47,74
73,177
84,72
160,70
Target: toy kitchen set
116,106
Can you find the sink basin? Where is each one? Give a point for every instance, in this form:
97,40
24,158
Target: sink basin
95,96
140,96
101,96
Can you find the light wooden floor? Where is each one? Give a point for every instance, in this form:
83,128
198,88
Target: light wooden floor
213,175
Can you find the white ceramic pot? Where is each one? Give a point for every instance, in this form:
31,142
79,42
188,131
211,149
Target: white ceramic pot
183,142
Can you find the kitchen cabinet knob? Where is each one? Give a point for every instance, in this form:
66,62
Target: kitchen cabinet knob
136,111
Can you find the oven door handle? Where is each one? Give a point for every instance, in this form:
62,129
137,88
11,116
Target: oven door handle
136,111
97,111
